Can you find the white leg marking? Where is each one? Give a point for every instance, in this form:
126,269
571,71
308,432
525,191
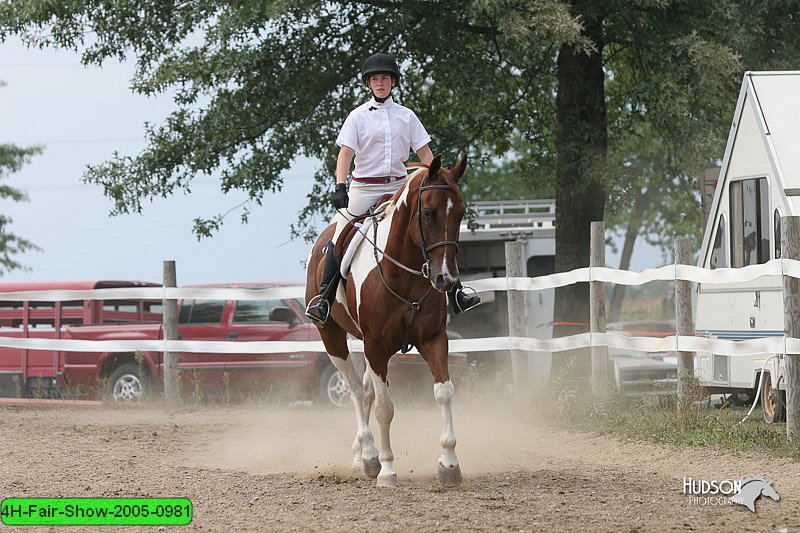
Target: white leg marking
443,392
364,444
384,412
369,391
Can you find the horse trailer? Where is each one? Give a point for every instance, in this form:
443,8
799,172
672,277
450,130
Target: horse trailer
485,229
759,182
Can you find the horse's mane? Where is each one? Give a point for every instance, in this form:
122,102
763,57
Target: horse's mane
419,170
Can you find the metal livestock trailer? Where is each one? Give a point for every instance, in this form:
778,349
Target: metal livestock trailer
484,232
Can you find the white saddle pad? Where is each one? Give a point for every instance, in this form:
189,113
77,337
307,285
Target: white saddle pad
361,230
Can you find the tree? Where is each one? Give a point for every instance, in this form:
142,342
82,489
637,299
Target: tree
551,82
11,245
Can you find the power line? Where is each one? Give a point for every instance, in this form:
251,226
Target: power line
77,141
83,186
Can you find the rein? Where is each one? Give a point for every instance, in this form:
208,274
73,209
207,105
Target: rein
374,242
424,272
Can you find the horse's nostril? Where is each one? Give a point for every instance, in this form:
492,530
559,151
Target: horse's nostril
441,282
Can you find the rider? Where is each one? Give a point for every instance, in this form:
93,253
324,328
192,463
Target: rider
379,134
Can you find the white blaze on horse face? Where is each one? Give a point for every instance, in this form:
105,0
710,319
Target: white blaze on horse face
445,266
443,392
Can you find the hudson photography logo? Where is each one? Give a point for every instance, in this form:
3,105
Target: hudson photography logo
743,491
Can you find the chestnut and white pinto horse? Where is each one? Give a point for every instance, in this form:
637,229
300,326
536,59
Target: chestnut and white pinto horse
394,298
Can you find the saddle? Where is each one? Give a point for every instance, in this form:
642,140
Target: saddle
352,235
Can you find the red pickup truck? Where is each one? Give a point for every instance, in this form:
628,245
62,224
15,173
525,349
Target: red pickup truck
127,376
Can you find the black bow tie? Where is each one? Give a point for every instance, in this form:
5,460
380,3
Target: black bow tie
372,108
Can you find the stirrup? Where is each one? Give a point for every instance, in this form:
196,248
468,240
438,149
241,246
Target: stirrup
471,299
318,303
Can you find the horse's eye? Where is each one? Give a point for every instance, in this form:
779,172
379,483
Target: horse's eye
427,214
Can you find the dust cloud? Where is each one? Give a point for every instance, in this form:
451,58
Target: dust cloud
491,436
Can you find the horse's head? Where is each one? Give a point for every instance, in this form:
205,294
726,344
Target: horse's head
440,208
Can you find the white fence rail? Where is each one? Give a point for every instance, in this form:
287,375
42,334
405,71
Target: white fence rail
775,267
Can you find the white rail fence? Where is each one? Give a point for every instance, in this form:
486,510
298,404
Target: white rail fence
771,345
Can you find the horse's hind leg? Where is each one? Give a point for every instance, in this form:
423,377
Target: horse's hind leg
369,391
364,452
384,412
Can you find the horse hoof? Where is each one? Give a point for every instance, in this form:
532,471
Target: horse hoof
372,467
449,476
388,480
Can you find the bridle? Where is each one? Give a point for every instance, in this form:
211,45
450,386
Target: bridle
425,248
426,266
424,271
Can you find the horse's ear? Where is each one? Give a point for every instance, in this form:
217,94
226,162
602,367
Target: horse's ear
435,165
460,167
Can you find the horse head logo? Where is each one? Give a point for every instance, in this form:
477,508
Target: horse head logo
752,488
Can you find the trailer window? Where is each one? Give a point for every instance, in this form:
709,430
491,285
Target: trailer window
719,257
749,209
777,232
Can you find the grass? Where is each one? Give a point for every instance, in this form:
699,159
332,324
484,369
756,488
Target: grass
696,424
642,418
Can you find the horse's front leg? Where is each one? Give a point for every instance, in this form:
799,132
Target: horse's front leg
364,452
435,353
384,413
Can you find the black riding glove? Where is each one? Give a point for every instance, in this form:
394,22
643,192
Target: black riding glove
340,198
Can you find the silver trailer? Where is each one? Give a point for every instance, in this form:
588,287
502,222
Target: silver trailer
484,232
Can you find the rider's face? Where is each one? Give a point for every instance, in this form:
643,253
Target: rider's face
381,84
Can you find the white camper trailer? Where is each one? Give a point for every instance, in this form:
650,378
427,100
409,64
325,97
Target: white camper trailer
759,182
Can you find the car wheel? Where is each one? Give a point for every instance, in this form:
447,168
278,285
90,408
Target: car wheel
771,401
333,388
126,383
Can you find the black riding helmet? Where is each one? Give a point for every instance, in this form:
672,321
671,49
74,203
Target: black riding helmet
380,64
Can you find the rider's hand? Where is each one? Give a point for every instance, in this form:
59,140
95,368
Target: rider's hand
340,198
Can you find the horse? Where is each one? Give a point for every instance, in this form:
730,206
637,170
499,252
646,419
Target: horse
393,298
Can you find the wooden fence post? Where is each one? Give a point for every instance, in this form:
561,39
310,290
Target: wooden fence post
597,308
516,325
684,323
790,249
170,325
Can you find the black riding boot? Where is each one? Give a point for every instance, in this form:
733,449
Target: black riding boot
461,301
319,307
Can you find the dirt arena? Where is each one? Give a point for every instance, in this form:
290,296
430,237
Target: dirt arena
277,468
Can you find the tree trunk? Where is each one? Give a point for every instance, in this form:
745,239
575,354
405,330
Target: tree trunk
634,227
581,143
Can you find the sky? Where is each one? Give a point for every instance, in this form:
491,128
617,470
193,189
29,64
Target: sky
81,115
